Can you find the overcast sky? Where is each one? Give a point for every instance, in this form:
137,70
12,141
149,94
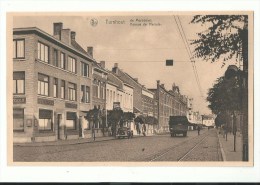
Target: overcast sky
128,45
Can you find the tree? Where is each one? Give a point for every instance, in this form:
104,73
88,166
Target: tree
226,37
128,117
114,117
224,96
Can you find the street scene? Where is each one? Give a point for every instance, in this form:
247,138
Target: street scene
203,147
148,87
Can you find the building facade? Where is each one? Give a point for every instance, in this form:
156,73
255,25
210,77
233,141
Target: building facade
208,120
118,91
143,99
169,103
51,84
99,80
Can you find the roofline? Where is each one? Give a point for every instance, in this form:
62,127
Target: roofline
128,85
111,83
147,90
132,78
41,32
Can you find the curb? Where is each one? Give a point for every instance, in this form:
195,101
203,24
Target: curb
222,150
61,144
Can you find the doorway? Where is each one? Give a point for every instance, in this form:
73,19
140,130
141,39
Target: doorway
59,126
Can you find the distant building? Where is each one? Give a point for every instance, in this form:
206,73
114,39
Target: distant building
208,120
169,103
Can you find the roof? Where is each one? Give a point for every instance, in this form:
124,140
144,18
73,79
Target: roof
75,47
115,80
98,67
131,79
79,48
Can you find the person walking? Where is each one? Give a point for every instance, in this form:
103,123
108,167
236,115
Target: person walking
198,130
144,130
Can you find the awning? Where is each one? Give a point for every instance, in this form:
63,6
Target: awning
151,120
140,119
136,110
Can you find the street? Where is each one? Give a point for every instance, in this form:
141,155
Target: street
194,147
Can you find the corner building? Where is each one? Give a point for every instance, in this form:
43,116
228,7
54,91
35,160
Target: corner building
51,84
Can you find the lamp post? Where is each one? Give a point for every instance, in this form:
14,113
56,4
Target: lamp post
234,72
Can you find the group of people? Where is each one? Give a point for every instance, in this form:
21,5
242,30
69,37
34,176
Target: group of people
141,128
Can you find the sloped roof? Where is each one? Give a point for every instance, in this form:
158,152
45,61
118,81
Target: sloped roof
75,45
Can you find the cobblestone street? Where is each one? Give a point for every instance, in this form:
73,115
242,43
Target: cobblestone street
204,147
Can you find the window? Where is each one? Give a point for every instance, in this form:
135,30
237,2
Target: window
84,69
72,64
71,120
62,60
18,48
72,91
18,119
55,87
43,52
45,120
62,89
95,88
55,58
98,89
43,84
18,82
85,94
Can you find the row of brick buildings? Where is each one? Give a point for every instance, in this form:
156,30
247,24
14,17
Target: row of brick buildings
56,81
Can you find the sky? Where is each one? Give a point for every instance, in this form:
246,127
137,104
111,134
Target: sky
140,44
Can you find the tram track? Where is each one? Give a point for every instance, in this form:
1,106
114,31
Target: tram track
160,155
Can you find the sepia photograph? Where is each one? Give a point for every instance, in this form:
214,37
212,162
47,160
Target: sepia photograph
132,91
131,87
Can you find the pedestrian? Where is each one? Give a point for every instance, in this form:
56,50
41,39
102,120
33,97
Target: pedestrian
198,130
144,129
93,133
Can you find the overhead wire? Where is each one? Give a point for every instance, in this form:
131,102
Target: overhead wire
184,38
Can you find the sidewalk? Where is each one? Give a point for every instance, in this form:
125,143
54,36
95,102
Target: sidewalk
69,142
66,142
227,147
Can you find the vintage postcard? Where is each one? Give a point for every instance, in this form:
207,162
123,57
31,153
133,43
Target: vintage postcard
130,88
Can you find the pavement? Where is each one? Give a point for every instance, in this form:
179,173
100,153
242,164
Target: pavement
69,142
227,147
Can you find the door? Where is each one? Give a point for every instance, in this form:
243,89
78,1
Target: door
59,126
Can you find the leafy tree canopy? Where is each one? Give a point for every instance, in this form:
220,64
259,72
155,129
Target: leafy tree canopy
226,37
224,95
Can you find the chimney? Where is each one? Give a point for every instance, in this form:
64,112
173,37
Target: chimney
115,68
90,51
136,79
103,64
57,27
158,82
73,35
65,36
